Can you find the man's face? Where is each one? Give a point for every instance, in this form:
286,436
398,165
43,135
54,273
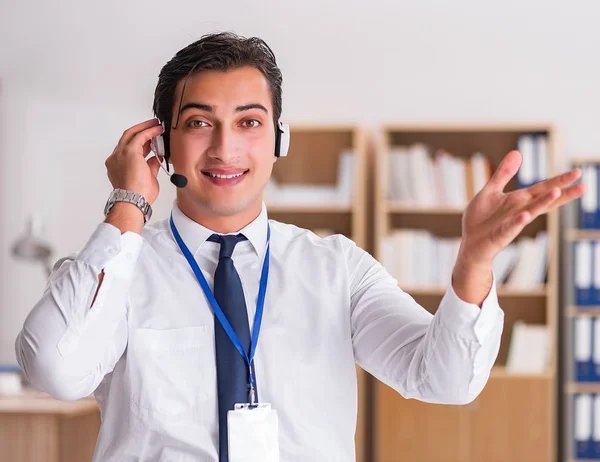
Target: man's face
225,139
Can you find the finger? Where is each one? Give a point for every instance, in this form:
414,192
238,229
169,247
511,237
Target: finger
558,181
146,148
541,204
128,134
508,168
154,165
143,137
569,194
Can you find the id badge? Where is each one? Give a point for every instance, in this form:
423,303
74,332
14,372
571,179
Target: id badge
253,433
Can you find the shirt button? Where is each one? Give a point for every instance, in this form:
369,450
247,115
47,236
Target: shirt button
112,251
129,255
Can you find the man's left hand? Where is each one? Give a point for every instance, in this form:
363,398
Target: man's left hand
493,218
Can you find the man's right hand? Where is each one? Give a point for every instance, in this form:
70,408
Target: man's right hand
127,167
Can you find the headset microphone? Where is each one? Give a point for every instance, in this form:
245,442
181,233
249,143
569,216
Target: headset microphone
158,147
178,180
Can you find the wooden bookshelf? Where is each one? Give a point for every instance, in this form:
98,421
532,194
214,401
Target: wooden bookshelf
313,158
514,418
570,312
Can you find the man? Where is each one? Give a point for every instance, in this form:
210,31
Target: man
160,321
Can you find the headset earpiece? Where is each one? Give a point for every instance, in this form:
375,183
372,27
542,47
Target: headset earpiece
282,139
157,144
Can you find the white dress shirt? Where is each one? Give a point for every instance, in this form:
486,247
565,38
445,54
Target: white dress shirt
146,346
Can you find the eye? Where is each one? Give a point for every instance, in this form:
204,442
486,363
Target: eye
251,123
196,123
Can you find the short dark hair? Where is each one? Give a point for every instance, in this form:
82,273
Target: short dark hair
221,52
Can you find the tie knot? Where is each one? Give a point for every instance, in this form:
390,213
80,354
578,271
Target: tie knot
228,243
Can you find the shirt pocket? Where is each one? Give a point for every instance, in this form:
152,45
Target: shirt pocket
167,371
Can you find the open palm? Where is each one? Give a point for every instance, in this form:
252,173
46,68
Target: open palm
493,218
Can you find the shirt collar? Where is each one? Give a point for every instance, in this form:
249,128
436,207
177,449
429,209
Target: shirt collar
195,235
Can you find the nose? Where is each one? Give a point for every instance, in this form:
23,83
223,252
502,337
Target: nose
224,145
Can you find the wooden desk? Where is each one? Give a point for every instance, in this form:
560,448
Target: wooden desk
37,428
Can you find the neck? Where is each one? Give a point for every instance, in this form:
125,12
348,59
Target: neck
221,224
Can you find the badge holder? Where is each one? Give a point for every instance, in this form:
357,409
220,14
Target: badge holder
253,433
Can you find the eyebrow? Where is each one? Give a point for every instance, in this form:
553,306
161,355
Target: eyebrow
209,108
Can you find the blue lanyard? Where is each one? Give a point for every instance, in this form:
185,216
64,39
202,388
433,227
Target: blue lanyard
260,303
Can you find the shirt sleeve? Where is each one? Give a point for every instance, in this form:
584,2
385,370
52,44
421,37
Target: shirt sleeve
66,345
442,358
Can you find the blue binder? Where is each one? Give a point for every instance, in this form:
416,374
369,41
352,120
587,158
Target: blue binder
596,428
583,342
583,264
589,215
583,420
596,350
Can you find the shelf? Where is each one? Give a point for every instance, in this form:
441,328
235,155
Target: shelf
585,160
408,207
502,292
468,127
309,208
501,372
42,403
578,234
582,387
575,310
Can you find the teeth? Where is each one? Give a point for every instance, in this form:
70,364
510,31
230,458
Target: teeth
216,175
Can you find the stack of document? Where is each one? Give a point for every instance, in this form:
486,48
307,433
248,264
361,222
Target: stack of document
420,175
416,258
530,262
534,151
415,177
529,350
340,193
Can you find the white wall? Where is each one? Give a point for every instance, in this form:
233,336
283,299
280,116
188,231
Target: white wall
74,75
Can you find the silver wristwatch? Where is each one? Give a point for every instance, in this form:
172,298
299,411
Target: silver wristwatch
123,195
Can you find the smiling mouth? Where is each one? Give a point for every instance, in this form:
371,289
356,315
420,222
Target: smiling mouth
225,177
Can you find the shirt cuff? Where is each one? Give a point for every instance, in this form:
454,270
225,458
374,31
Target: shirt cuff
468,320
109,250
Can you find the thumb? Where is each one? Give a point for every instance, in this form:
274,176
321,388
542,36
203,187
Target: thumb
154,165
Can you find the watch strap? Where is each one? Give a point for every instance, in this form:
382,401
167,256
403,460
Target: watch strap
124,195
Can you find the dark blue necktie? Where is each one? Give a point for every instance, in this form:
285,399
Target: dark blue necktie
232,370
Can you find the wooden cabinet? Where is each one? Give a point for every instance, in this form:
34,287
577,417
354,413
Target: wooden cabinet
410,430
42,429
509,421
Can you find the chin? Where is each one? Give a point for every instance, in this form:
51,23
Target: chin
230,206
